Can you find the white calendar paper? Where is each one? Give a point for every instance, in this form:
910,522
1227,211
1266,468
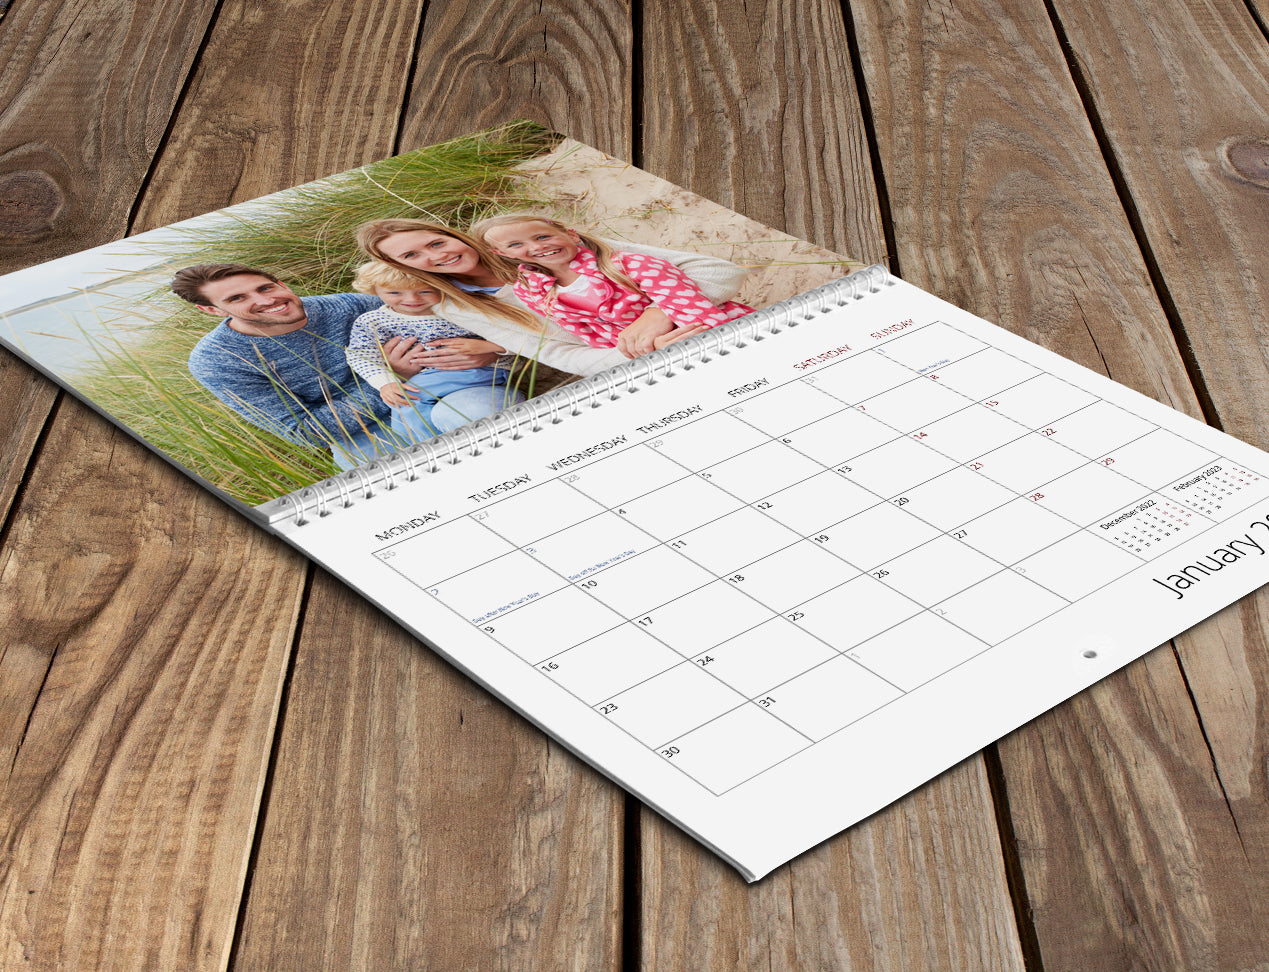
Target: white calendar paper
774,592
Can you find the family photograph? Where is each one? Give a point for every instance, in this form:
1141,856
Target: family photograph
283,340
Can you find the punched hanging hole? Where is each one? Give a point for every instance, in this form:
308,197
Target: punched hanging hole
1090,653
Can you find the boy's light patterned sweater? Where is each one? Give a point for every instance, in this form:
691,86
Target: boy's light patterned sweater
372,329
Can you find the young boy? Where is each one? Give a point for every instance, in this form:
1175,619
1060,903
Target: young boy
407,313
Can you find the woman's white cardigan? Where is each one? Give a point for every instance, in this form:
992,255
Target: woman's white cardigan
718,279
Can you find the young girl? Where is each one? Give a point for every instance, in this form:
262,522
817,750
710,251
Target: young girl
408,313
585,286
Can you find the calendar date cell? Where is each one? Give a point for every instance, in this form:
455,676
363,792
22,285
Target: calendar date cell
709,440
915,405
819,502
1089,493
546,625
672,703
932,347
1163,459
737,539
1016,530
765,656
638,586
465,542
1042,401
611,663
896,466
830,697
738,745
674,509
854,612
622,476
878,534
1028,463
956,497
861,377
496,588
971,433
784,409
1077,565
916,651
1000,606
538,512
700,619
767,469
793,575
590,547
937,570
1099,429
985,373
841,437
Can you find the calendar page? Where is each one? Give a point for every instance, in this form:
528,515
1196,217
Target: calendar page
774,592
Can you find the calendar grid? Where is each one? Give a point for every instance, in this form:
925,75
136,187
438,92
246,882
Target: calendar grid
900,433
684,659
861,570
1027,431
774,688
936,588
1053,421
1065,381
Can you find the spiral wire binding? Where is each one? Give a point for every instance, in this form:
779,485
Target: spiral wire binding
492,432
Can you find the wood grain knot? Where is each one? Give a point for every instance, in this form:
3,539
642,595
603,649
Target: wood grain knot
29,202
1248,158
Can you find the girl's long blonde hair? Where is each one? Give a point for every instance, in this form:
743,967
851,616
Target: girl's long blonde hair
371,235
603,251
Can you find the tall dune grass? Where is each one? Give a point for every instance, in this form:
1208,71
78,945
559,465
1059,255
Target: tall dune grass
304,236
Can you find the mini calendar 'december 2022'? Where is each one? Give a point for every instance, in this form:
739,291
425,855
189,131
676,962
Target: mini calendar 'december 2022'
769,577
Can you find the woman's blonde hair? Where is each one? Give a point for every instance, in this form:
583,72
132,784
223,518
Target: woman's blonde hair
370,237
375,274
603,252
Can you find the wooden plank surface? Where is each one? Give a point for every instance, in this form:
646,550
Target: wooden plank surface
139,699
919,885
89,90
922,884
406,819
1181,91
1128,855
25,402
565,64
283,94
754,106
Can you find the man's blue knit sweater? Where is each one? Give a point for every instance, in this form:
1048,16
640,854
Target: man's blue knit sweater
296,385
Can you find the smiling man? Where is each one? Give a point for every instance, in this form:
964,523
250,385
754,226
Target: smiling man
278,361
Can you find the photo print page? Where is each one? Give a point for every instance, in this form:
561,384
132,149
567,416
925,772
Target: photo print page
273,344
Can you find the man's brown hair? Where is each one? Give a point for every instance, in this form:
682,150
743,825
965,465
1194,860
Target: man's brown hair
188,281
